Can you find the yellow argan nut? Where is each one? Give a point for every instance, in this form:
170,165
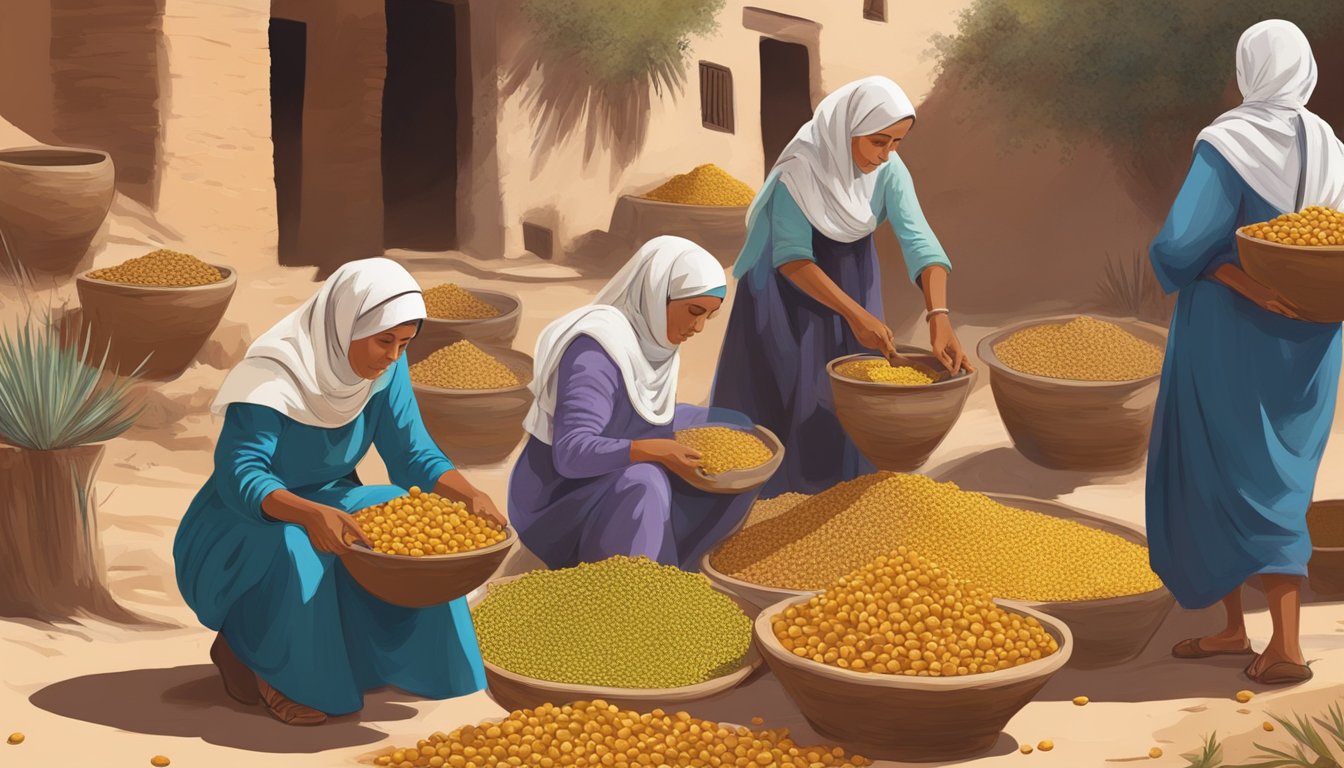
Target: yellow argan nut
159,761
1025,749
1046,746
1155,752
1244,696
1268,726
758,720
1080,701
16,738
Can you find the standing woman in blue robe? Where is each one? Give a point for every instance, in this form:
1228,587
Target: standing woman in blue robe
1248,389
257,551
809,287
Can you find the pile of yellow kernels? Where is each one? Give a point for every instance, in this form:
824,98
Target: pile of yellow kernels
706,185
622,623
423,524
450,301
723,449
595,733
883,372
1314,226
1012,553
1083,349
769,509
463,365
162,268
901,615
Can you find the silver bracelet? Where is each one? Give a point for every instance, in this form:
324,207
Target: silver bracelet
935,312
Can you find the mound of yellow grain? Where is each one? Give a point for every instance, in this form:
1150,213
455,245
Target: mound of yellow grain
706,185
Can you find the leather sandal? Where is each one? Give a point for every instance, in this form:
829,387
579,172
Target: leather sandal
239,681
1282,673
1190,648
286,710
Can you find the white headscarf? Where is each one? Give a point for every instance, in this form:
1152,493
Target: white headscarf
629,319
1276,73
301,368
818,166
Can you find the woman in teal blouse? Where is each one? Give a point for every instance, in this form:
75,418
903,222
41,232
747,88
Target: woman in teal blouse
256,553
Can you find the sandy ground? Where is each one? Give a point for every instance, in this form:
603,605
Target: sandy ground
125,694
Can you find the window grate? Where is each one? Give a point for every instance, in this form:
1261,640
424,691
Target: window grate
875,10
716,97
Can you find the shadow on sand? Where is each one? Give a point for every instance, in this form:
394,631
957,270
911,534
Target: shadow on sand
190,702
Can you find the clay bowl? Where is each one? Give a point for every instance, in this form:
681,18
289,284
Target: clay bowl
419,582
914,719
1086,426
743,480
494,331
161,327
514,691
52,202
476,427
898,427
1311,277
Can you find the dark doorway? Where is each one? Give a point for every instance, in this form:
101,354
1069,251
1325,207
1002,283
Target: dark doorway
289,51
786,88
420,126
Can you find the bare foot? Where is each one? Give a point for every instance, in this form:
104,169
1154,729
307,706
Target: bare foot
286,710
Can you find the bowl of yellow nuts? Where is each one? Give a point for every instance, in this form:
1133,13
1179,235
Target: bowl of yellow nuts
1300,255
901,660
454,313
427,550
1077,392
473,400
705,204
154,312
736,460
897,415
626,630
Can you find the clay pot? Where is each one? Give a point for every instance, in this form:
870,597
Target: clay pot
1311,277
720,230
498,331
52,202
478,427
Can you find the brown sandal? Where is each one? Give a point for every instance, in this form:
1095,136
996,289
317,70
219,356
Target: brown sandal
287,710
1282,673
239,681
1190,648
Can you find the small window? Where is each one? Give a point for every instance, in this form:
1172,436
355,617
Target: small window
875,10
716,97
539,240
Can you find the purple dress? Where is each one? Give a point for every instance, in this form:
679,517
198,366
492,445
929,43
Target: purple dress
581,499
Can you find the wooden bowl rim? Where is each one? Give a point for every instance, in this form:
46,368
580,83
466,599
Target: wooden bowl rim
230,280
510,537
751,661
953,381
1032,670
985,351
512,313
771,441
487,348
1312,250
707,567
103,157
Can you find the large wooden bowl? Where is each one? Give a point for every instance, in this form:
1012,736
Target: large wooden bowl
743,480
758,596
419,582
495,331
476,427
1107,631
915,719
1086,426
167,325
720,230
514,691
1311,277
1325,570
898,426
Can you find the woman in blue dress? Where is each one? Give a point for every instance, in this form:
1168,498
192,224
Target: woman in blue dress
256,553
809,287
1248,389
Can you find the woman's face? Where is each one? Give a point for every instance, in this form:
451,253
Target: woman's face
686,317
372,355
871,151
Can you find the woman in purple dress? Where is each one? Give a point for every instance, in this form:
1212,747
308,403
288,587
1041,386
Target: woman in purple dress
809,288
601,474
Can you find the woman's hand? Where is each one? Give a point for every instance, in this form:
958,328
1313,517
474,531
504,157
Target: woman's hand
331,530
874,334
679,459
482,505
946,346
1262,295
453,485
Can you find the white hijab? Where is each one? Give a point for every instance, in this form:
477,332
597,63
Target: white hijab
629,319
301,368
1276,73
818,166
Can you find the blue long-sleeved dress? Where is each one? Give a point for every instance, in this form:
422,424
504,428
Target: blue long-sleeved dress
294,615
779,339
1246,403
